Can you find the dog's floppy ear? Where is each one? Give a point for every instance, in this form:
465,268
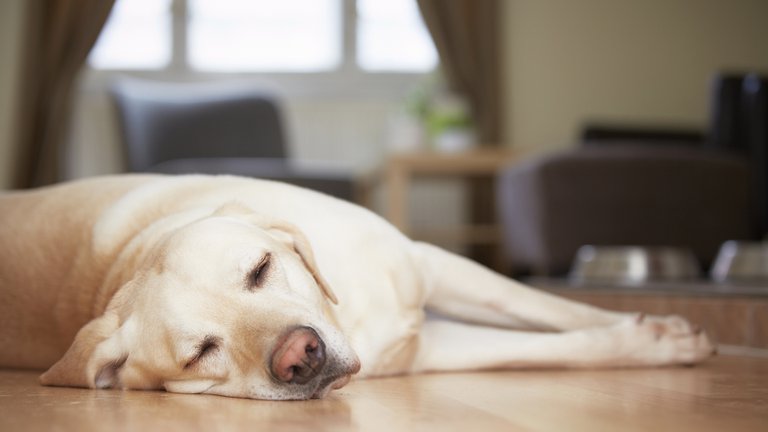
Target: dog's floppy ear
94,358
288,234
296,239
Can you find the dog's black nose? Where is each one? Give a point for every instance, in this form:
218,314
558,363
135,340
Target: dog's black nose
299,358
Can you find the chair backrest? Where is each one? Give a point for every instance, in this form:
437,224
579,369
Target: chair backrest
727,114
168,121
756,127
609,134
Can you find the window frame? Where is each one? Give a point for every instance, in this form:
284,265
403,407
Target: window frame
347,80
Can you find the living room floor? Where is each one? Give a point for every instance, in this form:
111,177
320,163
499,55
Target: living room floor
725,393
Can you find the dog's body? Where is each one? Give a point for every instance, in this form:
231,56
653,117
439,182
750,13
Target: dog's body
226,285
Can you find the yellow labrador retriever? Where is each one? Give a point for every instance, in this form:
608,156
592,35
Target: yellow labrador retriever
258,289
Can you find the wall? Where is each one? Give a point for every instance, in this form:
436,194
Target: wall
644,62
11,18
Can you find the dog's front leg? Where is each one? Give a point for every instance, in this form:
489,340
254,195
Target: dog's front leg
635,341
465,290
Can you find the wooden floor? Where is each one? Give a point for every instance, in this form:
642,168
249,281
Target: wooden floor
726,394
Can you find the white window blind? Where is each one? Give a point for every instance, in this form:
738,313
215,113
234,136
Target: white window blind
265,36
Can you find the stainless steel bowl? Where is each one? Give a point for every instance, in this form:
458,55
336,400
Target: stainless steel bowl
633,264
741,261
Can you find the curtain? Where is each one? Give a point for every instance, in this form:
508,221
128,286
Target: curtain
59,36
466,35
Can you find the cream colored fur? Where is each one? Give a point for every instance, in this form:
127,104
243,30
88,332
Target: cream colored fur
114,282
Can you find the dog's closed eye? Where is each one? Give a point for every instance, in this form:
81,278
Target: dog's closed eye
207,346
258,275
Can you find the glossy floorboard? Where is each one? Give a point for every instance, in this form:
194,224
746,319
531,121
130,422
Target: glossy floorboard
726,394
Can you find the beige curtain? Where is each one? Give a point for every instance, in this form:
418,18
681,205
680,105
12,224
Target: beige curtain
466,35
59,36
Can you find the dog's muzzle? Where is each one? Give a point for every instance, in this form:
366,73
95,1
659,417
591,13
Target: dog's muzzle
301,359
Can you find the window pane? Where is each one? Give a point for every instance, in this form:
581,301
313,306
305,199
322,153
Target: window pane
265,35
391,36
136,36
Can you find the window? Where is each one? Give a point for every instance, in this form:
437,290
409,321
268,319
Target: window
136,36
392,37
266,36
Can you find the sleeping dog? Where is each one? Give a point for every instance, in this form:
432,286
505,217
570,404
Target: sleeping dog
258,289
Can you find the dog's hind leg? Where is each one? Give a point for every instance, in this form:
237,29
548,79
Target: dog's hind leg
634,341
462,289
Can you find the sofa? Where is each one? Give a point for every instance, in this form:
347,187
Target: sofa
648,187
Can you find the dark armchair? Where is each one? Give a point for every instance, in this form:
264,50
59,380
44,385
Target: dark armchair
213,129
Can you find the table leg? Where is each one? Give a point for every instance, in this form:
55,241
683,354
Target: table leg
398,180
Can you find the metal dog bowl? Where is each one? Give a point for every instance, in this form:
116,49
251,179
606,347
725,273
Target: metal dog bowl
741,261
633,264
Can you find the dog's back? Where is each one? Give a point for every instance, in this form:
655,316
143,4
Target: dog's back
45,270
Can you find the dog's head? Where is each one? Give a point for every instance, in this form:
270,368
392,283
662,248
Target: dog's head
230,304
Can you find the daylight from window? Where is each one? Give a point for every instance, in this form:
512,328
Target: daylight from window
392,37
266,36
136,36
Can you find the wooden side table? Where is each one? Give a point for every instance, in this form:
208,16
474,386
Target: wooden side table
400,171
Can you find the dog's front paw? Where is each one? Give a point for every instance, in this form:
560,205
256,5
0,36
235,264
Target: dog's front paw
663,340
